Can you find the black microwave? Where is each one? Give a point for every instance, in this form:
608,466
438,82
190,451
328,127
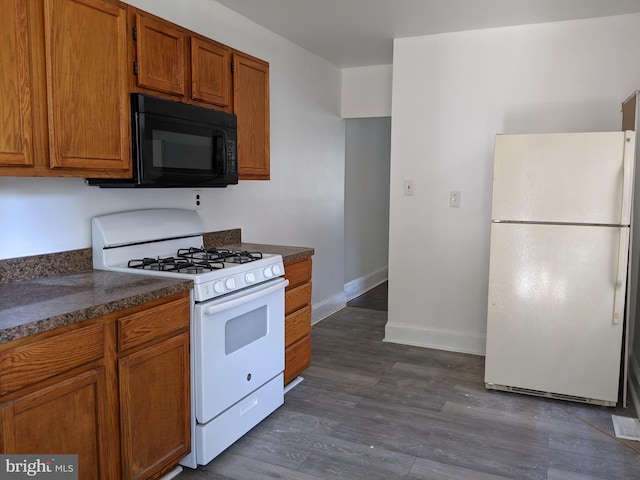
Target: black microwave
179,145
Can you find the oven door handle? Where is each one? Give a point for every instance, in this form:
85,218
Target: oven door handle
246,298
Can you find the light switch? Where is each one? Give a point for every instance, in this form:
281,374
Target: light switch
454,199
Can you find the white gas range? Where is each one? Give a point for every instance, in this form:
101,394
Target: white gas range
237,327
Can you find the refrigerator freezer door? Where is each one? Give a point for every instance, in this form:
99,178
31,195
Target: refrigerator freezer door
556,296
564,178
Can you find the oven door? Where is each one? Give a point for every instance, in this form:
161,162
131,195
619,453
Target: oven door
238,346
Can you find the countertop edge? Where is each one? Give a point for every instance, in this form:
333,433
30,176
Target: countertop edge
118,302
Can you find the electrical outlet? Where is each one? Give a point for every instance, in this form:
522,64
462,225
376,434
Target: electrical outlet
454,199
197,199
408,187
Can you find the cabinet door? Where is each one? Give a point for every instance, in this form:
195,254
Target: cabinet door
155,407
210,72
15,86
251,105
64,418
160,55
87,90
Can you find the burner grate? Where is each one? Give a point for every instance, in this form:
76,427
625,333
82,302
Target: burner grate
195,260
179,265
219,254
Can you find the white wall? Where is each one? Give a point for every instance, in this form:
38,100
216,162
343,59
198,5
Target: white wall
302,204
451,94
368,144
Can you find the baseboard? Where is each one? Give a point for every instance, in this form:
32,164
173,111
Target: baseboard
327,307
450,340
634,382
357,287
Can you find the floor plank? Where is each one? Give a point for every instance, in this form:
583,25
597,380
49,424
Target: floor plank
374,410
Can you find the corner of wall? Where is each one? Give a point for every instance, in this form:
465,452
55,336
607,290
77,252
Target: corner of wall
366,92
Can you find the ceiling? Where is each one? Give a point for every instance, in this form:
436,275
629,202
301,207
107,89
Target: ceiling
353,33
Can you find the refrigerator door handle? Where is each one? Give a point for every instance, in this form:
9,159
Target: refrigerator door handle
621,276
627,176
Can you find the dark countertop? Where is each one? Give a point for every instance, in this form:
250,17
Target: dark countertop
36,306
289,254
45,292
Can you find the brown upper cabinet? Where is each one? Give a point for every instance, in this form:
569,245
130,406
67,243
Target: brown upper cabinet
210,79
52,86
67,68
177,64
251,105
160,55
87,97
16,105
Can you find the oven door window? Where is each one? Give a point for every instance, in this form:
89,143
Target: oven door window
245,329
180,151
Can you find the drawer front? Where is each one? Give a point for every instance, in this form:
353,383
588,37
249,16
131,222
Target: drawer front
297,358
162,320
297,325
297,297
298,272
32,363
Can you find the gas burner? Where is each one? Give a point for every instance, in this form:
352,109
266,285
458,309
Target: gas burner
179,265
244,257
219,255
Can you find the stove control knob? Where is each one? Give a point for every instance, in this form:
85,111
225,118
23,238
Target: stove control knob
230,283
218,287
250,277
268,273
276,270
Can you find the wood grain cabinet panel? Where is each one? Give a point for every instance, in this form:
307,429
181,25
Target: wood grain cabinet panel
155,405
64,418
154,386
297,325
160,49
148,325
34,362
251,106
297,320
298,272
210,72
16,127
297,358
87,87
297,297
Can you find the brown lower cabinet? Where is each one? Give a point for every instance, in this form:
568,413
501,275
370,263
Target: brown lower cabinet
297,305
114,390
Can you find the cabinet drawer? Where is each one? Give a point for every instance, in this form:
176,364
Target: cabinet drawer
31,363
297,325
298,272
297,358
297,297
142,327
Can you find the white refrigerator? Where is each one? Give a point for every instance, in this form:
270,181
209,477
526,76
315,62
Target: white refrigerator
560,226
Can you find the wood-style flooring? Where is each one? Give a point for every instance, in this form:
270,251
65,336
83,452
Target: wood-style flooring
374,410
